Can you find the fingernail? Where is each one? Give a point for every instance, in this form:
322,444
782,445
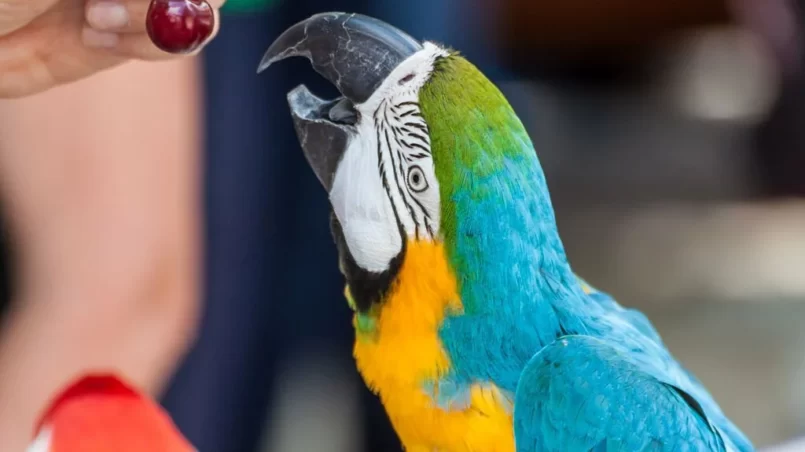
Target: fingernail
107,15
98,39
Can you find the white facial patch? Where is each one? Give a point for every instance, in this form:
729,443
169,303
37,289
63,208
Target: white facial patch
386,180
363,209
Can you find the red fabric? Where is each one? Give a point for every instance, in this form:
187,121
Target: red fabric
101,413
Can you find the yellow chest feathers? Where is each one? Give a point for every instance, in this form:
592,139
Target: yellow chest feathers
398,351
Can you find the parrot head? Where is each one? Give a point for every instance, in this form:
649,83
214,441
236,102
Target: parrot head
101,413
420,146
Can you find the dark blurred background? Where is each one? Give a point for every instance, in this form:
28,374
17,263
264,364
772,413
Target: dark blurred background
672,134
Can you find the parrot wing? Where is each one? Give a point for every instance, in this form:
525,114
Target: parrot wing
581,394
692,386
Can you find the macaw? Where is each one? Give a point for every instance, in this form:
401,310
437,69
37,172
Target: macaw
102,413
470,324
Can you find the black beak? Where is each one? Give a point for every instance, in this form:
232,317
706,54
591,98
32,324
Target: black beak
355,53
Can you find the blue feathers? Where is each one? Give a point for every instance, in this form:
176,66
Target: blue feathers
449,394
582,393
586,374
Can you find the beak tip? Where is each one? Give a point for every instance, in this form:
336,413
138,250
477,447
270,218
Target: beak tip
272,56
281,48
265,62
263,66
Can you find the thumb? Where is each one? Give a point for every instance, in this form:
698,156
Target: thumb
15,14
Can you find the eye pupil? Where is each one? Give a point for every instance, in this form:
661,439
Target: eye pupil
416,179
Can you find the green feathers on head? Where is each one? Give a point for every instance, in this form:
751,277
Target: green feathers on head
473,130
495,207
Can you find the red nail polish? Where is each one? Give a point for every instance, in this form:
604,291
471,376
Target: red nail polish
179,26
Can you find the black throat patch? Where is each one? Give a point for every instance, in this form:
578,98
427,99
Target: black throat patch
367,288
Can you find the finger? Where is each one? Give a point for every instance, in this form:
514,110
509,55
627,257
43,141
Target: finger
136,45
123,16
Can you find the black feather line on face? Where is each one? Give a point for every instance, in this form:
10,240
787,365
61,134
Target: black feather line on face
367,288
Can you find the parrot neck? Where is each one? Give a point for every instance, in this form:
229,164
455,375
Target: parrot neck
507,248
516,285
497,221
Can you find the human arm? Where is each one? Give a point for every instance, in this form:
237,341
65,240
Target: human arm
102,199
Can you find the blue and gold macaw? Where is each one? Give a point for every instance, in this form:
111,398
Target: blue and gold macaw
470,324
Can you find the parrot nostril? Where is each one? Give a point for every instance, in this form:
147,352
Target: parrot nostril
406,79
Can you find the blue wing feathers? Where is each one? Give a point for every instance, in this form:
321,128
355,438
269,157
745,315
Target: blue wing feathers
694,388
581,393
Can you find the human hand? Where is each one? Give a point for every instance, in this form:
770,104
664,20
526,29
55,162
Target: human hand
44,43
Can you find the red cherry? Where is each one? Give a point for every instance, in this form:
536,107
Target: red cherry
179,26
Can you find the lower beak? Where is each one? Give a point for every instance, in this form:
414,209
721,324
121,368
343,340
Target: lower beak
323,130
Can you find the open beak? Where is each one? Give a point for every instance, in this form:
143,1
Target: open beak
353,52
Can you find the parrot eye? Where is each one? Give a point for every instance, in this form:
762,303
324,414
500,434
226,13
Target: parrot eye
416,180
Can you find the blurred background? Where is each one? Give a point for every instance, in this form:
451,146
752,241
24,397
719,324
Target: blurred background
672,134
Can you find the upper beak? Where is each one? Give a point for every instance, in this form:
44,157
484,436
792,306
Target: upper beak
355,53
